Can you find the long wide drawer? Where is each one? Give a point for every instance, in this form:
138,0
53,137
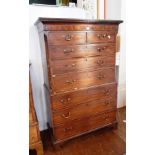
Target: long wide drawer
101,37
78,51
72,99
81,64
78,127
66,38
77,80
81,111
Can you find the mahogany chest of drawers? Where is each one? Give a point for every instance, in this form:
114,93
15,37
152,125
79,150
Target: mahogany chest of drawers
78,58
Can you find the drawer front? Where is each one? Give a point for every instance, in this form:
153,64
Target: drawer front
78,51
66,38
80,27
81,64
83,110
75,81
33,134
78,127
101,36
72,99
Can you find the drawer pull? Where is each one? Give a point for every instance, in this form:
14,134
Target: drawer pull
68,99
68,51
68,37
100,36
72,65
108,102
100,62
70,81
69,128
101,49
109,36
100,77
107,92
66,115
64,101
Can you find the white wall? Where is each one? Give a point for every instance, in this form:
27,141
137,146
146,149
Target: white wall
100,9
115,9
35,54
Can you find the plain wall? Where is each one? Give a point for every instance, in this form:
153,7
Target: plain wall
115,10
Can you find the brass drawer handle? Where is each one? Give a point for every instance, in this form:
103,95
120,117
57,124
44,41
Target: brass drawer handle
68,51
109,36
68,37
108,102
107,92
67,100
101,49
72,65
106,117
66,115
69,128
70,81
100,36
100,77
100,62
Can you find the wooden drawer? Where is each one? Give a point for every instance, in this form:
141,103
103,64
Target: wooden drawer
81,64
78,51
33,134
101,37
66,38
72,99
83,110
76,128
77,80
80,27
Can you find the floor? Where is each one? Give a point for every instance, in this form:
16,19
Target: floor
107,141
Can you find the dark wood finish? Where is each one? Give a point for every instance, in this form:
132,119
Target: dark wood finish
72,99
107,141
101,37
34,134
81,64
75,128
80,51
75,81
66,38
78,57
86,110
79,27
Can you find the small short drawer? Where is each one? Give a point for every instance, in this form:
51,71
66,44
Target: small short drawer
77,80
81,64
101,37
33,134
72,99
66,38
67,52
76,128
